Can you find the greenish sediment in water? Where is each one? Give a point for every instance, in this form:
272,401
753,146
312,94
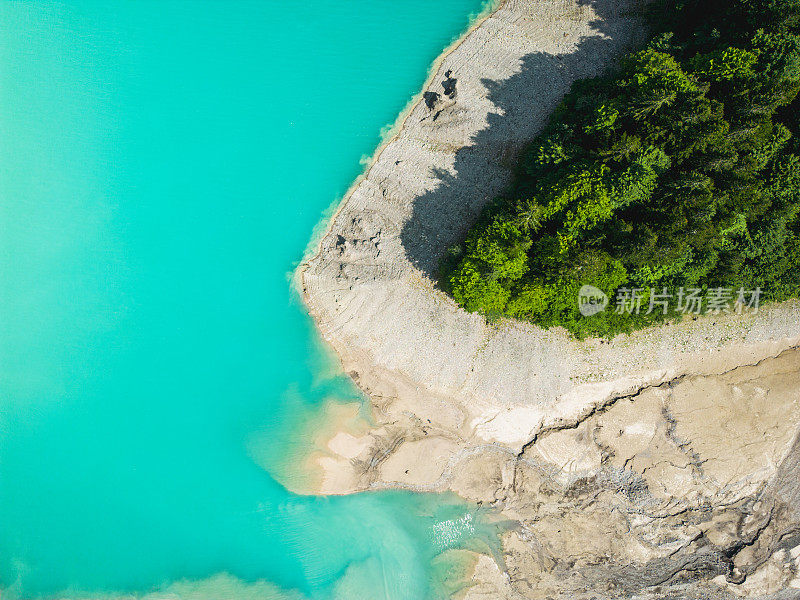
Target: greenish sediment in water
164,165
449,570
221,585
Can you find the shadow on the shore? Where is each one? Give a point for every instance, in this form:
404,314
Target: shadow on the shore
442,216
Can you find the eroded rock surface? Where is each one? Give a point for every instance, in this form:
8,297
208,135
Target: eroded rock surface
691,487
693,480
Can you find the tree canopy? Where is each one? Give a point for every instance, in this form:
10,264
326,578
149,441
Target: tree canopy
679,170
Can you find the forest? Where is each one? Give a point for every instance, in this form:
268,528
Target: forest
675,175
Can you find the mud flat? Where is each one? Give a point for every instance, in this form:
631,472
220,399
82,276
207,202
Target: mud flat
660,464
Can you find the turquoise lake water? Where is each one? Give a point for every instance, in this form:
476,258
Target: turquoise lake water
162,167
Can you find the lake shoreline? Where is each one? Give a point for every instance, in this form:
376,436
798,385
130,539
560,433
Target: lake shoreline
486,409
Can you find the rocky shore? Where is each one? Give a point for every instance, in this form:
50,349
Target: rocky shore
663,464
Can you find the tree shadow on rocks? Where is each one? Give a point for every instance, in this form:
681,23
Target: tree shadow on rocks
522,105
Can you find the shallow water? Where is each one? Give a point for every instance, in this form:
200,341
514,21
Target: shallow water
162,166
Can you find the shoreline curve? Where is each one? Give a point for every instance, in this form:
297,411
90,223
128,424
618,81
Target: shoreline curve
499,412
